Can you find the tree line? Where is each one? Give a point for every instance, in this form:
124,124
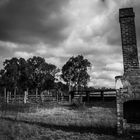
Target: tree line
35,74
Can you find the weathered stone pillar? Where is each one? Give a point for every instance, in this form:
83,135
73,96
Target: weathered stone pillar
119,105
128,36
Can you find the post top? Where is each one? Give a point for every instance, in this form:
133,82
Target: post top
126,12
118,77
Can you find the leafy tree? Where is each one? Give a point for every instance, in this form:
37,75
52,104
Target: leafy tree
14,75
3,80
23,81
21,75
61,86
74,72
34,68
48,72
11,73
41,73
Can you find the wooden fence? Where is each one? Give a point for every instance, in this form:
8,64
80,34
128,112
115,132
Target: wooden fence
32,99
27,98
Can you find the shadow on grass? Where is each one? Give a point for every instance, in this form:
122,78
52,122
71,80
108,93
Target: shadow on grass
15,107
104,104
69,128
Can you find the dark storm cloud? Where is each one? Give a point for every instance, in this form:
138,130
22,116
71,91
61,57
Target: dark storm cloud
114,36
6,49
3,50
87,27
29,21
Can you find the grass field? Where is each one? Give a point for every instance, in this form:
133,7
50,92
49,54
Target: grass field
60,122
22,131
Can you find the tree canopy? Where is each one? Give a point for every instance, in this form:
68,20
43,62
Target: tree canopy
31,73
74,72
36,74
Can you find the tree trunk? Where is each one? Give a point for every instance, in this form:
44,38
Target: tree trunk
36,94
15,93
57,96
69,92
10,96
27,94
27,90
87,96
69,98
62,97
48,92
102,95
69,87
5,94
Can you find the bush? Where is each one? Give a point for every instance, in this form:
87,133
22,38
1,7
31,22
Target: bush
77,103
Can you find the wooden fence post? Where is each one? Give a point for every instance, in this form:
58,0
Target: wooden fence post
69,98
42,97
36,93
25,97
8,97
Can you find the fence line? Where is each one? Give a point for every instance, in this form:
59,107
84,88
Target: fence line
29,98
32,98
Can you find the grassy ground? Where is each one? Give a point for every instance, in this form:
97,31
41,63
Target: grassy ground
21,131
68,117
52,122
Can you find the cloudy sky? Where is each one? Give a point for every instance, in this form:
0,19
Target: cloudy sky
59,29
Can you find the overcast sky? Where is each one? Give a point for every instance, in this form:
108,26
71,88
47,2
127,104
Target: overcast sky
59,29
